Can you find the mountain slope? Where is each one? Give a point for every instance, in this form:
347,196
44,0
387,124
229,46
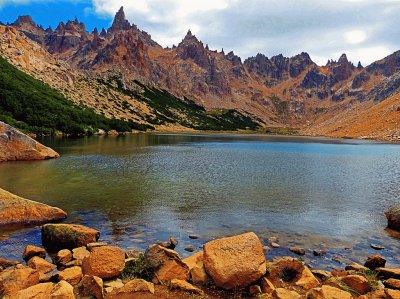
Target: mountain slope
116,68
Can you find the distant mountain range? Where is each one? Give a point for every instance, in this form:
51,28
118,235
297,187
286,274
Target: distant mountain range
111,70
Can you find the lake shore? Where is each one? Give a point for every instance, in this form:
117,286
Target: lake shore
231,267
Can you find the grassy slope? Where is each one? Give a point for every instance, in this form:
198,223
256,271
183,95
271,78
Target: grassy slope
167,108
33,106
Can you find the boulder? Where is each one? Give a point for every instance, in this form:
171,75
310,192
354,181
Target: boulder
392,294
393,217
322,274
80,253
67,236
62,290
92,245
177,284
358,283
132,289
387,273
105,262
73,264
18,212
4,263
171,265
39,291
328,292
90,287
285,294
392,283
375,261
16,146
171,269
41,265
235,262
71,275
197,271
115,284
157,254
18,278
63,257
293,271
355,267
297,250
31,251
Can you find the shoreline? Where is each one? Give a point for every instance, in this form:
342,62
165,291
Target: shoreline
207,272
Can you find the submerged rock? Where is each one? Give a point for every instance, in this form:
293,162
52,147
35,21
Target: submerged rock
16,146
16,211
235,262
393,217
67,236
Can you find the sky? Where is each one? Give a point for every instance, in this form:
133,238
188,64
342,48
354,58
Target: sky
366,30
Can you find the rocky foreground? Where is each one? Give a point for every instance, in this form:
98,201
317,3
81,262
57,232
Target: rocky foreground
16,146
78,266
16,211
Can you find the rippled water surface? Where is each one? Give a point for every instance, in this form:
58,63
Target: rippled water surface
313,192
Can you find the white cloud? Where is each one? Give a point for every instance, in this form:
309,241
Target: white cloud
355,36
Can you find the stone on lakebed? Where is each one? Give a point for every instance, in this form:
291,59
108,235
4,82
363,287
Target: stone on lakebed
67,236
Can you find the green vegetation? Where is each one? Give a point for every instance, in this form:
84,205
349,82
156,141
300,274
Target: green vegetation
371,276
167,108
281,107
279,131
34,107
139,268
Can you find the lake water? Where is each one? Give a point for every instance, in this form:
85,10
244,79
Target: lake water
137,189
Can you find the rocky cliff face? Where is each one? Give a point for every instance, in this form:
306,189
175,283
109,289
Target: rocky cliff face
284,91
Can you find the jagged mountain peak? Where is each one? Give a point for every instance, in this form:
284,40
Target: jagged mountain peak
21,20
189,38
343,59
120,22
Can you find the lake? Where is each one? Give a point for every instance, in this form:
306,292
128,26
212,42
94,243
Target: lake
137,189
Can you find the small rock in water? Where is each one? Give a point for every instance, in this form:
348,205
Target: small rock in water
193,237
375,261
297,250
319,252
190,248
173,241
266,249
275,245
377,247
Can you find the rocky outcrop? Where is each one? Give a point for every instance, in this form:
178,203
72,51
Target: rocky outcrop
16,146
235,262
16,211
393,217
67,236
120,22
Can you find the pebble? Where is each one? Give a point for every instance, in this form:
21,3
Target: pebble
377,247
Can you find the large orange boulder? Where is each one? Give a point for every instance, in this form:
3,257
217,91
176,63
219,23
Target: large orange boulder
16,146
67,236
235,262
16,211
18,278
105,262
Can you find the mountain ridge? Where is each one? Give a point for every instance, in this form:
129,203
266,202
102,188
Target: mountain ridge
280,91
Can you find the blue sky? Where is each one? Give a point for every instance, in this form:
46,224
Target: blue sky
366,30
52,12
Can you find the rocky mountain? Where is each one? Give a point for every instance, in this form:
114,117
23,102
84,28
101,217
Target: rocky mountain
278,91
